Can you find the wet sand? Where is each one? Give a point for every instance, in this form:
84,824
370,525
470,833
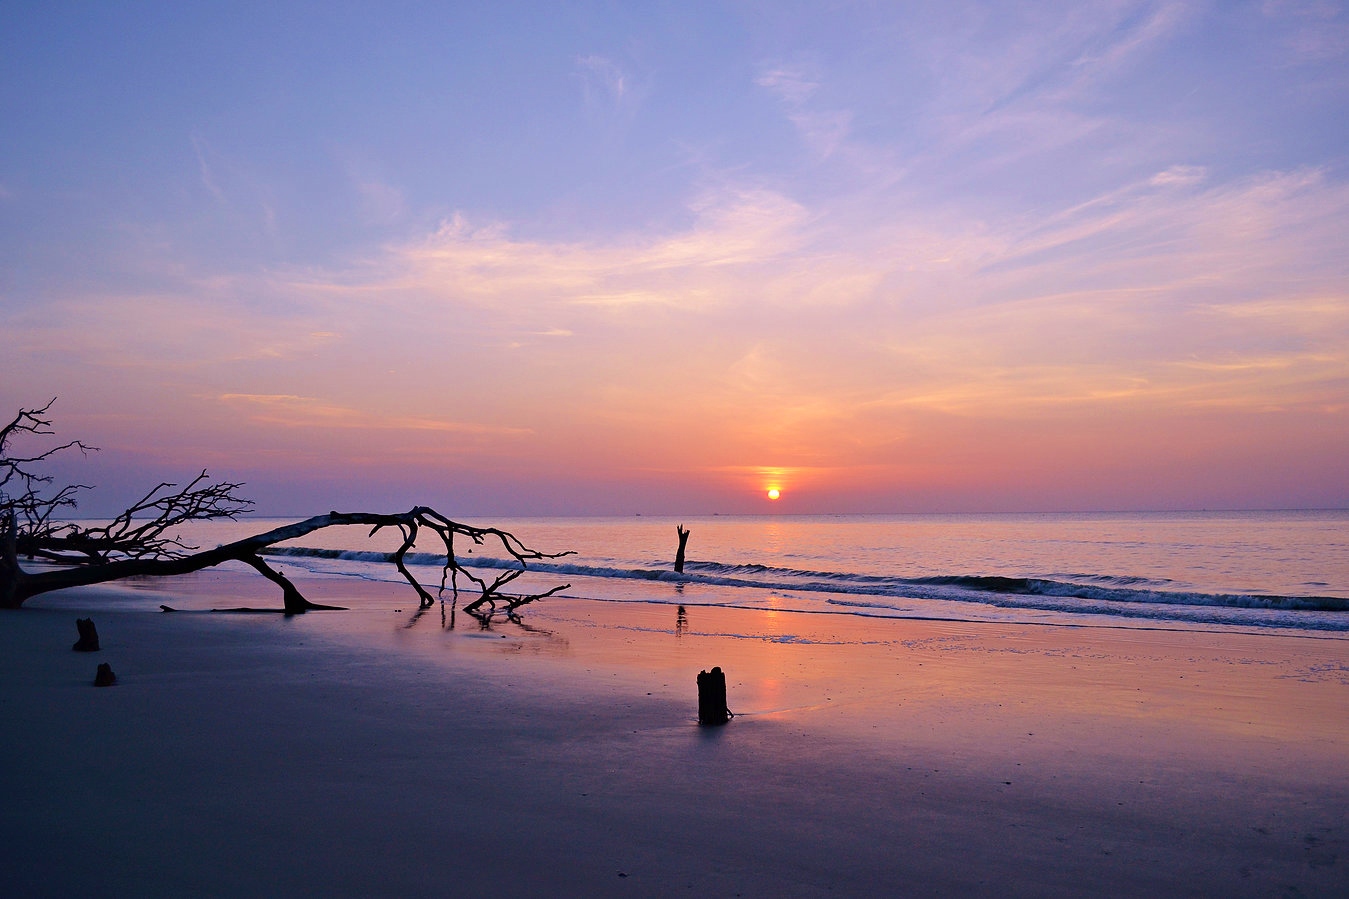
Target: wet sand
375,752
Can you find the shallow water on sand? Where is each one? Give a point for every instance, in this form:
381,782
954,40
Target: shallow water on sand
1261,570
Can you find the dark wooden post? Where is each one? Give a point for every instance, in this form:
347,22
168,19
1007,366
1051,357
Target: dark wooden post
88,641
104,676
712,697
679,556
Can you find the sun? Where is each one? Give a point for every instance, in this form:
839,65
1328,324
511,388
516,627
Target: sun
774,493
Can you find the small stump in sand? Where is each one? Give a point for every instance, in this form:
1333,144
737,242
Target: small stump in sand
712,697
88,641
104,677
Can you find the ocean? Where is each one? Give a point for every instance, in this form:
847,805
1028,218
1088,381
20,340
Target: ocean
1253,571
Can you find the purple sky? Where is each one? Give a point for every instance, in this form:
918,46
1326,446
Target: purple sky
591,258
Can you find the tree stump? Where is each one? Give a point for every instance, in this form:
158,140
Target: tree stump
104,677
679,554
88,641
712,708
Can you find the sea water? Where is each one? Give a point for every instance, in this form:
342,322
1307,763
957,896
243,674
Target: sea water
1247,570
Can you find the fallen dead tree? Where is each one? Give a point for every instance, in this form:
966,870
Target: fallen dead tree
140,541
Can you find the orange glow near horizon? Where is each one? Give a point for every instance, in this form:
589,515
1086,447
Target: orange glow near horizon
774,493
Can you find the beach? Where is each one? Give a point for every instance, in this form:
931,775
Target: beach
376,752
963,385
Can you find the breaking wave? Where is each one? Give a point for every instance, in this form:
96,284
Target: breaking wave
1133,597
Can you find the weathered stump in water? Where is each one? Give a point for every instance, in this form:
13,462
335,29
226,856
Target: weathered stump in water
712,697
88,641
104,677
679,555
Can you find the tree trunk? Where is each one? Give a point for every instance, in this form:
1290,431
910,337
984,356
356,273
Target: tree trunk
246,550
9,564
712,708
679,555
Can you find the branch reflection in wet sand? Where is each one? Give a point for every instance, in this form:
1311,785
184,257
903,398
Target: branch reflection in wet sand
534,637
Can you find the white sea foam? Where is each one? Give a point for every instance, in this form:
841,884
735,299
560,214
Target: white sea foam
1250,569
1268,570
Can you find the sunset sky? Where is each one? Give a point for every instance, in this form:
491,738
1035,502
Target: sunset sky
551,258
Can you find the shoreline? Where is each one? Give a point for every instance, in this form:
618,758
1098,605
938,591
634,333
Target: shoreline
348,752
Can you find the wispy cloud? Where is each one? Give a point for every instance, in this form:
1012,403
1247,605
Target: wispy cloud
289,410
1142,28
823,129
381,202
789,83
1318,30
206,170
787,326
733,233
605,83
793,330
237,195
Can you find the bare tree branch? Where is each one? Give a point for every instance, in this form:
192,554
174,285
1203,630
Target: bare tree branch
132,535
22,488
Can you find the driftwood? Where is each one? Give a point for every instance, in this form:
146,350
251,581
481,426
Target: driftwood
27,585
679,554
712,708
139,542
88,641
104,676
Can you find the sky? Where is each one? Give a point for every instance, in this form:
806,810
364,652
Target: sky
607,258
